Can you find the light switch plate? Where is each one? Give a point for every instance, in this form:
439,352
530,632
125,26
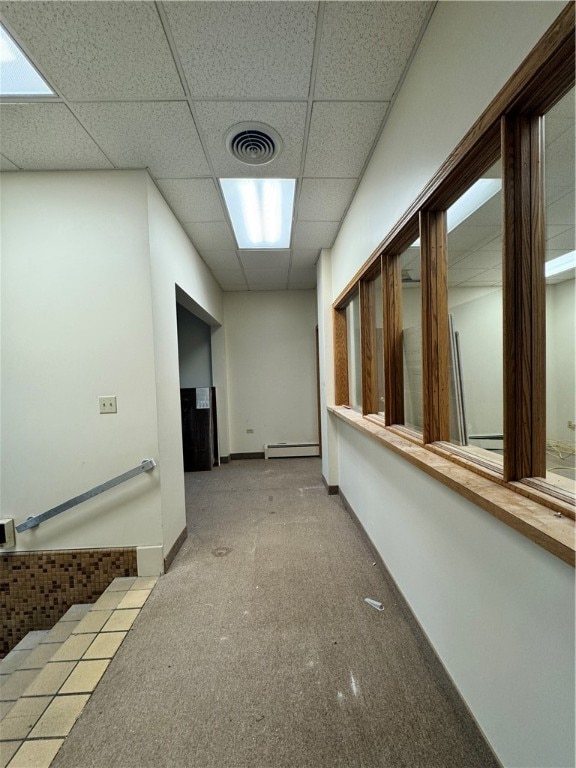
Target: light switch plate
107,404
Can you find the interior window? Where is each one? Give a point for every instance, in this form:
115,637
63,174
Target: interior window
412,336
354,353
560,272
377,320
474,224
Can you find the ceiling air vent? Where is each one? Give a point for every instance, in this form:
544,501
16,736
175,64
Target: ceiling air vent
253,143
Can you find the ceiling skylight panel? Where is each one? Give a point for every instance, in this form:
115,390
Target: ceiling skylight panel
260,211
18,77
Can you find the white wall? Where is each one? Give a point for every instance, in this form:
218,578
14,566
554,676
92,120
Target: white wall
194,350
498,609
329,424
270,340
479,323
174,263
90,266
76,324
560,384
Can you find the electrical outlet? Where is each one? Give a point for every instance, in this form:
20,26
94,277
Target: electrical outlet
107,404
571,424
249,431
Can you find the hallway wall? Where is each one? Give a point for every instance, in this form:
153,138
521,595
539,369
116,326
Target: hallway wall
270,340
194,350
176,269
76,324
91,263
498,609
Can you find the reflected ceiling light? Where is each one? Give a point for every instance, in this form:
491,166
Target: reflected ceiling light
561,264
473,199
260,211
18,77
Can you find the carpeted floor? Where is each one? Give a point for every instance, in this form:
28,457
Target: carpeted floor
257,649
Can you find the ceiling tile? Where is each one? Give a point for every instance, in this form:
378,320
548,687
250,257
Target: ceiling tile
147,135
459,276
244,50
562,242
315,234
221,260
365,48
490,277
305,258
341,136
324,199
215,118
95,50
192,200
468,236
302,278
6,165
210,236
265,259
480,260
267,279
230,279
46,136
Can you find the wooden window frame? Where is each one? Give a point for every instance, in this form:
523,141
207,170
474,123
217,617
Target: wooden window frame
510,128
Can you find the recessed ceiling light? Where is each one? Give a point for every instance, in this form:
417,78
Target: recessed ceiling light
560,264
260,211
18,77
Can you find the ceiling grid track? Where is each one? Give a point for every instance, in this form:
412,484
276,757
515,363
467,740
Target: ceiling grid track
178,64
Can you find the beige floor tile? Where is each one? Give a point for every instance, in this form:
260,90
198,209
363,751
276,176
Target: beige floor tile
76,612
16,684
92,622
59,717
105,645
74,648
85,677
7,749
5,707
40,656
36,754
49,680
108,601
121,621
13,661
134,598
145,582
22,717
59,632
31,640
121,584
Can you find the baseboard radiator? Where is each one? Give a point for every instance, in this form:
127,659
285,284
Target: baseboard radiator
286,450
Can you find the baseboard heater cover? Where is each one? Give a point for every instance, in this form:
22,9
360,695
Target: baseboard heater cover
286,450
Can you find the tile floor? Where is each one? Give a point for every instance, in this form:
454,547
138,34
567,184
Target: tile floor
74,656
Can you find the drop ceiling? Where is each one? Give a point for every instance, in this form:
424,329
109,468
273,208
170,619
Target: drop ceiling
158,85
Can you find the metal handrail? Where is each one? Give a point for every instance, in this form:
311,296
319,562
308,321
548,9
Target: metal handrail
34,522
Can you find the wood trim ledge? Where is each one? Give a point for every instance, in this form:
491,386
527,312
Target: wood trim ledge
546,528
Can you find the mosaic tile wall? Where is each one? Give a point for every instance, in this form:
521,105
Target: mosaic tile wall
37,588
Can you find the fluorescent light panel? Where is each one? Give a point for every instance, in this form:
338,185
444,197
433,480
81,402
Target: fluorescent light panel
18,77
474,198
260,211
560,264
